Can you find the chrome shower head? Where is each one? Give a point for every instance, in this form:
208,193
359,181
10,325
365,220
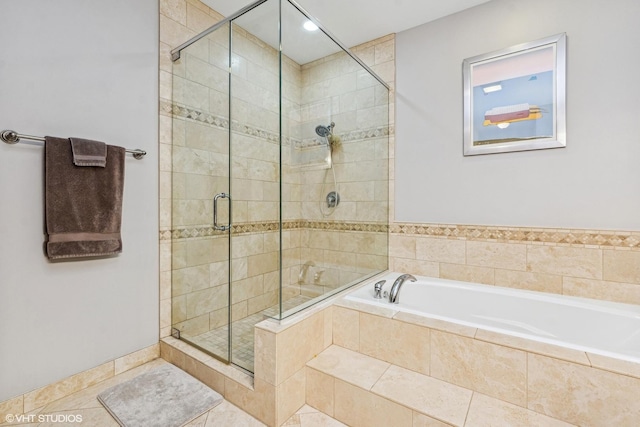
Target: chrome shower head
325,131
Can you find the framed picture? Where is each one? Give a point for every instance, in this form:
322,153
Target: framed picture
514,99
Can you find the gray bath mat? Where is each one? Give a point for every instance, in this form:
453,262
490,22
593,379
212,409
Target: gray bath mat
164,397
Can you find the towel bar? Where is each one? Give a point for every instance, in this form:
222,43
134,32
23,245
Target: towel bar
12,137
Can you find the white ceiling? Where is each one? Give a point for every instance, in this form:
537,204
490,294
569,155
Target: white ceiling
352,22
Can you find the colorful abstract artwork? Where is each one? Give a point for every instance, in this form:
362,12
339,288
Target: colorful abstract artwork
514,99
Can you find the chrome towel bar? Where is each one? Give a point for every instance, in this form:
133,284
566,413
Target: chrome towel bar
12,137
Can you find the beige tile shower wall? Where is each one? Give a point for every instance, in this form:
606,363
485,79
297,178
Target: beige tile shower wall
256,126
380,56
340,257
532,259
199,291
256,270
201,273
337,88
256,173
358,104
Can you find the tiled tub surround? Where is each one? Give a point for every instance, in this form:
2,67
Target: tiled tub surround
599,264
596,327
351,361
387,366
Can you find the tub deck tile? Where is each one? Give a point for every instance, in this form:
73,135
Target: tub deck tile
441,325
563,353
581,394
623,367
387,339
366,308
491,369
356,407
424,394
349,366
487,411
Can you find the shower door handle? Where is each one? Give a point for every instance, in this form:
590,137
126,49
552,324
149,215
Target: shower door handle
215,212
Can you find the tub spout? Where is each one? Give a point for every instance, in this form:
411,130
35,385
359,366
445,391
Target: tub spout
394,294
303,272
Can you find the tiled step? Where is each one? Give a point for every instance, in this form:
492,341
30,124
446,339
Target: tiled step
360,390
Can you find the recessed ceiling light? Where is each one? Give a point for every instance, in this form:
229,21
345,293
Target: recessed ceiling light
503,125
310,26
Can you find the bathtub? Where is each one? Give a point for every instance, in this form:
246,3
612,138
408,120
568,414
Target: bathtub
594,326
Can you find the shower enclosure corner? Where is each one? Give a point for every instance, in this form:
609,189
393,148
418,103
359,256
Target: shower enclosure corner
279,175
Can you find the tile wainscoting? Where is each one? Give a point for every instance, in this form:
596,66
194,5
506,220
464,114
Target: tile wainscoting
585,263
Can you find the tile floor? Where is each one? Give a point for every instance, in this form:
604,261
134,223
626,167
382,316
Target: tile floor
84,403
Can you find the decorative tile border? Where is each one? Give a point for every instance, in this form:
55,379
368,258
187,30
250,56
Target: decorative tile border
218,121
357,135
354,135
246,228
370,227
600,238
622,239
184,112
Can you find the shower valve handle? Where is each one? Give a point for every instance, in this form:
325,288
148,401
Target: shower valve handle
377,289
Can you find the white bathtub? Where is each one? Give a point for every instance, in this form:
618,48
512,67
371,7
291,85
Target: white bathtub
600,327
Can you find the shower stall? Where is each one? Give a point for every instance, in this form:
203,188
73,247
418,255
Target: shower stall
280,165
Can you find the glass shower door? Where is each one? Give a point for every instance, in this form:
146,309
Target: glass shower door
201,206
279,176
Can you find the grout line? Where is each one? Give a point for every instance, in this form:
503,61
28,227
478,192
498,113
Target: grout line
466,416
589,359
526,379
370,389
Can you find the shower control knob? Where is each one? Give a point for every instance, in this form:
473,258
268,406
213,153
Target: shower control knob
333,199
377,289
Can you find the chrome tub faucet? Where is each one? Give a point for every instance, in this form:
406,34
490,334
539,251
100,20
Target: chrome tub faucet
394,294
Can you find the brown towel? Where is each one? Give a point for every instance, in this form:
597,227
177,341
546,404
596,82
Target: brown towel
88,153
83,205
